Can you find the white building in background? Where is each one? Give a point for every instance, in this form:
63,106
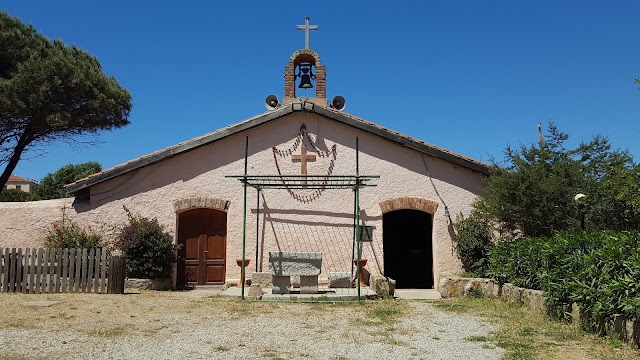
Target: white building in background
22,184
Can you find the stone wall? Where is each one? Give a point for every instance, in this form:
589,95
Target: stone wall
453,287
148,284
25,224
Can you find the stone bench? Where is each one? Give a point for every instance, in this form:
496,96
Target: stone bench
339,280
283,265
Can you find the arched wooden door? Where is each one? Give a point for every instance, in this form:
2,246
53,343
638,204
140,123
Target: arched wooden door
203,236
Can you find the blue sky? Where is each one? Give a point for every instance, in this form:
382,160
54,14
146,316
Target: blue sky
469,76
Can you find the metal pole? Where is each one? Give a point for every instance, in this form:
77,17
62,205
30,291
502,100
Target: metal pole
358,215
357,160
244,217
257,225
358,240
353,245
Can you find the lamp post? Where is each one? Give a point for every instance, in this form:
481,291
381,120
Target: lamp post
579,199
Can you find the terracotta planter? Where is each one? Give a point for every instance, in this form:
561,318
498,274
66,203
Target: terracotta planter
363,271
363,262
242,263
246,262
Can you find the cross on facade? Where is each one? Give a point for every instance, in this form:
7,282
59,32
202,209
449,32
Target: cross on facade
303,158
306,27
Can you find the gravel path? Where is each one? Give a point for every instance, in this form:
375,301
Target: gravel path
155,328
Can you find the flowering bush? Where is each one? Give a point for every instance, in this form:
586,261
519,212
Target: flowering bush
150,250
69,235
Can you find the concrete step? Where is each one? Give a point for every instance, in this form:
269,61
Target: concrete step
417,294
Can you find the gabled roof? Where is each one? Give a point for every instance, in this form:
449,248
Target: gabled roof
342,117
14,178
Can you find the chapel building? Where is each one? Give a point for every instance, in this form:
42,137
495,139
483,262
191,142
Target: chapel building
406,215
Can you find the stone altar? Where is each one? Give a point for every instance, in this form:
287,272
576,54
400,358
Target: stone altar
283,265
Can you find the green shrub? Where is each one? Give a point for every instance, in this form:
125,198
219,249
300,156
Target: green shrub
599,270
13,195
531,193
69,235
609,280
150,250
473,243
512,261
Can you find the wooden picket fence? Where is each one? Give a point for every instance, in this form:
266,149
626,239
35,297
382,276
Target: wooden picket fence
43,270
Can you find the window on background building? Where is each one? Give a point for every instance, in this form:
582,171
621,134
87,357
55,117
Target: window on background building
18,187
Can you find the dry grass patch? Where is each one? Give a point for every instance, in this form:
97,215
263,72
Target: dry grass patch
386,312
151,313
96,314
21,357
525,334
221,348
379,319
477,338
155,316
117,331
205,324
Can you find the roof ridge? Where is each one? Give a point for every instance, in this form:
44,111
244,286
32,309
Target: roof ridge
168,148
259,119
409,137
19,178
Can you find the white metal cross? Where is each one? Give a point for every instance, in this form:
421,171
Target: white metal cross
306,27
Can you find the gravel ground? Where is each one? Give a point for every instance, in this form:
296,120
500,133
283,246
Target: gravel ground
195,325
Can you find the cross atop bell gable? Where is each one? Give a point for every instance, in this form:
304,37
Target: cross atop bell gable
310,60
306,27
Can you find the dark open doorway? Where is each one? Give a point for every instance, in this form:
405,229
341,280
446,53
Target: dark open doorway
407,245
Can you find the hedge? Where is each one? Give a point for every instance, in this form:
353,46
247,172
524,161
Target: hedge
598,270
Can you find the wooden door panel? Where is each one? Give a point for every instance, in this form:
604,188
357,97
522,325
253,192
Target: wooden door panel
217,225
216,246
215,274
191,273
191,249
215,259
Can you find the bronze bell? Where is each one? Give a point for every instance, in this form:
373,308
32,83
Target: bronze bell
305,75
305,82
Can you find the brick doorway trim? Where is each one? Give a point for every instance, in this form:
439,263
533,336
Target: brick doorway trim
201,203
409,203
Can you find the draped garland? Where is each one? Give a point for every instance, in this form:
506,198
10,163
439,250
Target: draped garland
278,153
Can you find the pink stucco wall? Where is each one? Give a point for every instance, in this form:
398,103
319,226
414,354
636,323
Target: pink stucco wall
324,225
24,224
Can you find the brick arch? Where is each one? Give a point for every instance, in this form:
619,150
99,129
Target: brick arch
201,202
411,203
304,55
300,56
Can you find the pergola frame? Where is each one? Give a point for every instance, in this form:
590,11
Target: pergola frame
307,182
